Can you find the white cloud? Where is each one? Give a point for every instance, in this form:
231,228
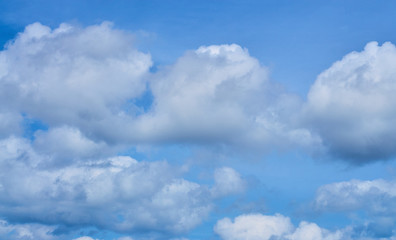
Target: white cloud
311,231
74,76
376,197
220,94
268,227
85,238
253,227
116,193
227,181
88,78
351,104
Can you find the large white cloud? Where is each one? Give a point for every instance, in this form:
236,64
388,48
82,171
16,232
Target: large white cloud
89,78
75,76
351,104
220,94
116,193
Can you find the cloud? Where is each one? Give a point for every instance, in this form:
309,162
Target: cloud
10,123
376,197
371,204
84,238
351,105
66,145
220,94
268,227
253,226
115,193
90,78
227,181
82,77
26,231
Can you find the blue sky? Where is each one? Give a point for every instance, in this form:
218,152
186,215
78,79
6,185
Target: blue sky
229,120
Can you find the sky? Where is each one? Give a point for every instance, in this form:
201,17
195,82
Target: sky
187,120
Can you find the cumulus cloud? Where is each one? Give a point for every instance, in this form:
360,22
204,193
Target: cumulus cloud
89,78
351,105
115,193
253,227
220,94
74,76
268,227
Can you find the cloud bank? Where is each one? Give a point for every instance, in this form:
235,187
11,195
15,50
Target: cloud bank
84,86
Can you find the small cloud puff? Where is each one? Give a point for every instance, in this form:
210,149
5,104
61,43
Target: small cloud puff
227,181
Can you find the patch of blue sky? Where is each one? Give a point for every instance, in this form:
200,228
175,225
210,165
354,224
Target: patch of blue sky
31,125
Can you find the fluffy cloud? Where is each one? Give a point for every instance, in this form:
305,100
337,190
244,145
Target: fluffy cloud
220,94
75,76
265,227
351,105
89,78
253,227
116,193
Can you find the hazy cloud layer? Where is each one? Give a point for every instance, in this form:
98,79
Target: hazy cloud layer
373,201
376,196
